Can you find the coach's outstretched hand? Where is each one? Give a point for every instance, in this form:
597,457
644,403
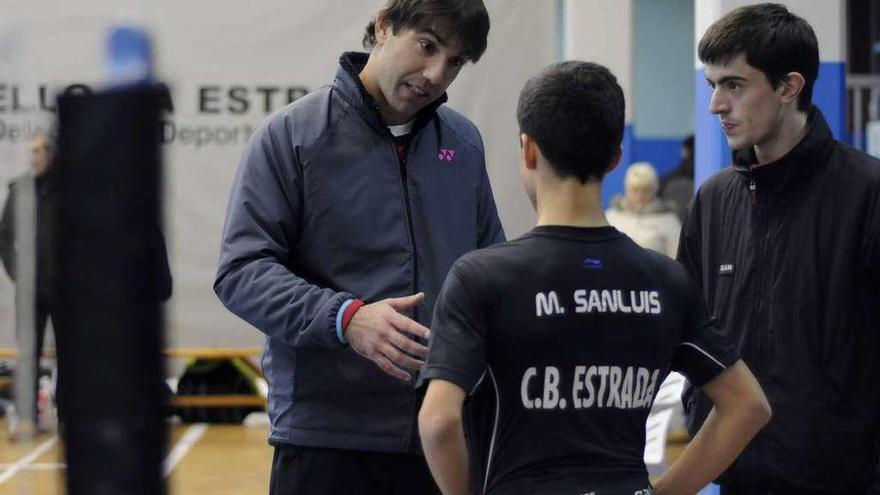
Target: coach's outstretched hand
379,332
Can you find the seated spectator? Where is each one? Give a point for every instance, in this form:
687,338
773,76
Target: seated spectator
640,214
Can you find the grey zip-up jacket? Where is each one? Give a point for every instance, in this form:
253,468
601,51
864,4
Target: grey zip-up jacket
321,211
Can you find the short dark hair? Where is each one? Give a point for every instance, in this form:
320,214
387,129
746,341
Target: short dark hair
467,20
688,142
575,113
774,41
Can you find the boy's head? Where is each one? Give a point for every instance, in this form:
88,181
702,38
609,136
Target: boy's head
574,113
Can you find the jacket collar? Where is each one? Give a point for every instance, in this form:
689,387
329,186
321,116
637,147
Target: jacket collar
795,167
349,83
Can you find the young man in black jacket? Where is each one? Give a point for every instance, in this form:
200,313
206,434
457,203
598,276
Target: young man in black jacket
785,245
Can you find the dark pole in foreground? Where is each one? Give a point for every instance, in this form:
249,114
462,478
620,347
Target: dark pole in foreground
110,328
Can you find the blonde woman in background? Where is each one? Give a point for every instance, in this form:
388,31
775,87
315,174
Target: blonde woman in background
640,214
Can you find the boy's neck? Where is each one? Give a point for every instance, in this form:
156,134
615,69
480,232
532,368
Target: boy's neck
570,203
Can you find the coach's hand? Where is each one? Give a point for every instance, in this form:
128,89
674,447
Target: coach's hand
382,334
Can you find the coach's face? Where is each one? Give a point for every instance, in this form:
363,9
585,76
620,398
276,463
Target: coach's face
750,108
411,69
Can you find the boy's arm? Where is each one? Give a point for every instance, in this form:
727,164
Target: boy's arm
740,411
442,433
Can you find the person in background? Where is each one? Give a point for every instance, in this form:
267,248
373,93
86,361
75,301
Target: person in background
677,187
45,183
642,215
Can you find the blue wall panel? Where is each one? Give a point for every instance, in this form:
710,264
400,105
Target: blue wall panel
829,94
664,154
613,183
711,152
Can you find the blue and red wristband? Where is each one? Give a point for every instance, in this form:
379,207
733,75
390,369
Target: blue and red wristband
344,316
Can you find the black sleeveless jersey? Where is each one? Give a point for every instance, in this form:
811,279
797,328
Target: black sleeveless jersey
568,332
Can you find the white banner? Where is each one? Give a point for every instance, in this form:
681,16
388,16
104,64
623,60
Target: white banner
229,65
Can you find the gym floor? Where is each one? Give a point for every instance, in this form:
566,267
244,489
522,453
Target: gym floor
202,459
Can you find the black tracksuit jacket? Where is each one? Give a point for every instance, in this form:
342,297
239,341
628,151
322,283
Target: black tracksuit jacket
788,258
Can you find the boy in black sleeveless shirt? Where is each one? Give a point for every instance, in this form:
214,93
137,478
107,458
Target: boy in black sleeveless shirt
571,328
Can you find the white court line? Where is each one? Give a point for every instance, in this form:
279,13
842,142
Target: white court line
26,463
28,459
186,442
40,466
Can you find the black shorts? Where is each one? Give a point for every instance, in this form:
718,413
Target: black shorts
316,471
573,486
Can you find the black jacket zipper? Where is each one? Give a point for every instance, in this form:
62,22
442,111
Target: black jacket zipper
412,235
412,440
760,328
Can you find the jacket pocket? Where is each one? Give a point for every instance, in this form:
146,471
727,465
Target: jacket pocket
341,391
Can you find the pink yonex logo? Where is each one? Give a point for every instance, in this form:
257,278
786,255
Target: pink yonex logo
447,155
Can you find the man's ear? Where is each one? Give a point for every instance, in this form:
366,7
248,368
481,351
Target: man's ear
529,150
382,29
792,85
615,160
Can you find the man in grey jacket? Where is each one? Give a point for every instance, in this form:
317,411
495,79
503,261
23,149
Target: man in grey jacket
348,209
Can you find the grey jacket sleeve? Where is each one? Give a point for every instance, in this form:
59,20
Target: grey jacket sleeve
490,230
263,223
